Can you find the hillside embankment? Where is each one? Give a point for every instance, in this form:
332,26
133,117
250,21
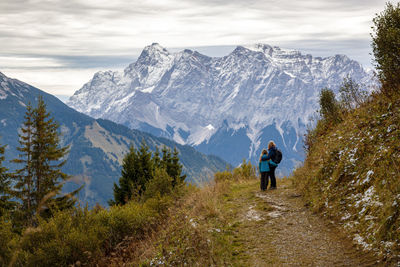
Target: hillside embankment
352,174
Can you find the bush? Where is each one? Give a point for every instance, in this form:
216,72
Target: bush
245,171
131,219
8,241
79,234
329,106
223,176
351,94
160,185
67,237
385,45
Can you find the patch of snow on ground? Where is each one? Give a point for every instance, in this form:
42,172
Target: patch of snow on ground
352,154
360,241
369,198
368,178
345,217
253,215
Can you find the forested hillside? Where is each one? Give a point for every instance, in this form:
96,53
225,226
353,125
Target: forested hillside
97,147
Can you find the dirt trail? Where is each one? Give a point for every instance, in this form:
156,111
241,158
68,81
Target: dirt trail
276,229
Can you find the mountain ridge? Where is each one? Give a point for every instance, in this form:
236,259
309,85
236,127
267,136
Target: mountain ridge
189,97
97,146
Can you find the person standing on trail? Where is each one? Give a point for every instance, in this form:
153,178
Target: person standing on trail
263,167
272,165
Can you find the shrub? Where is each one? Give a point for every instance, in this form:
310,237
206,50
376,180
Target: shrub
385,45
223,176
160,185
67,237
131,219
79,234
8,241
351,94
329,106
245,171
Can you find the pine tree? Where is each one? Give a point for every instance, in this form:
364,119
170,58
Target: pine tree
176,169
140,169
127,182
170,161
137,169
146,167
39,182
5,187
24,187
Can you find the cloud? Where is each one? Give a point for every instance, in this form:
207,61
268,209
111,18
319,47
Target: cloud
101,27
92,34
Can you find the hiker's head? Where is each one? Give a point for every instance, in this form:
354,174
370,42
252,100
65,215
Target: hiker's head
263,152
271,144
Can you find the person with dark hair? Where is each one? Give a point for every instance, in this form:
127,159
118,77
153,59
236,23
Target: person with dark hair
263,167
272,165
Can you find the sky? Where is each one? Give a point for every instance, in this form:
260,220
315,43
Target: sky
57,45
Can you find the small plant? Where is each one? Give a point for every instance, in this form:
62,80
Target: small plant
329,106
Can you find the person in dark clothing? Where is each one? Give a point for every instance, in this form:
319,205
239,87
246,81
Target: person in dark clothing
263,167
272,164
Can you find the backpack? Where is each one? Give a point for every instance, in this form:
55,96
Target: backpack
278,156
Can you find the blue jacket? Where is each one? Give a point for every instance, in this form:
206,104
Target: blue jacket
263,166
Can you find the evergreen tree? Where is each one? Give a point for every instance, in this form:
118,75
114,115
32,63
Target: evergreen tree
146,167
176,169
170,161
156,158
5,187
137,170
24,187
386,47
140,169
39,182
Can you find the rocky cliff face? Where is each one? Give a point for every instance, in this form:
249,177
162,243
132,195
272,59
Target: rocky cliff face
229,106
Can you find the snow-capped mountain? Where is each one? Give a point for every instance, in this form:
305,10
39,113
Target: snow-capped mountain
230,106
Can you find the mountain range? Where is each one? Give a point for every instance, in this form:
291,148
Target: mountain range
97,146
228,106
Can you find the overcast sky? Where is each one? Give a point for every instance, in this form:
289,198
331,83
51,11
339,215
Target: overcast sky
57,45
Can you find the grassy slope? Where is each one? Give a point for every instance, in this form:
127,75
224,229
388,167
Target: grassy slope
352,174
233,224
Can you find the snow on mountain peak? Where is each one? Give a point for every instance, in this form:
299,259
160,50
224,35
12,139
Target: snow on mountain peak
155,48
195,99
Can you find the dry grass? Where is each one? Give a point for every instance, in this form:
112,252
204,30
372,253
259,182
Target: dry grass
351,175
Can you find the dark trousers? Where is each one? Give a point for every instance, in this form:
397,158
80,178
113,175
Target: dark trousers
264,181
271,175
